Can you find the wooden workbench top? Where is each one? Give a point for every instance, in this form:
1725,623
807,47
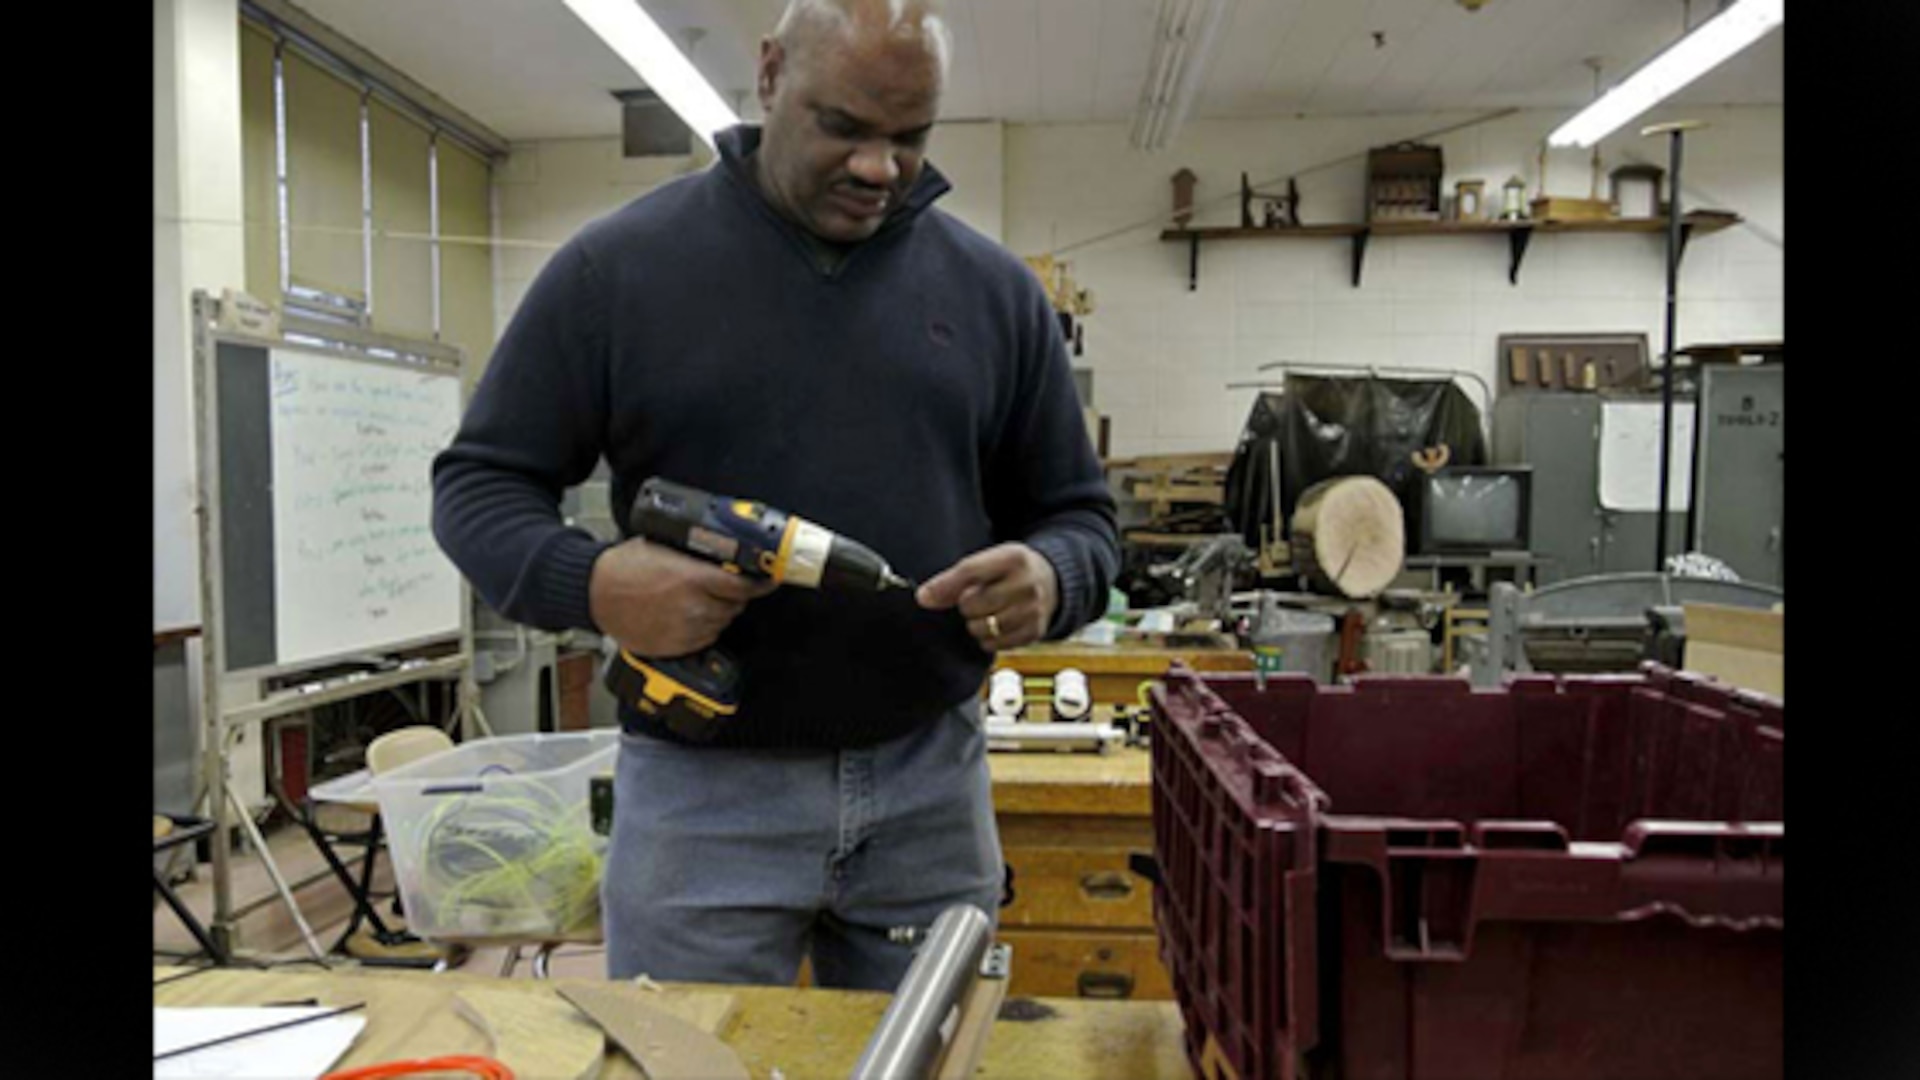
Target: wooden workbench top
1118,783
802,1033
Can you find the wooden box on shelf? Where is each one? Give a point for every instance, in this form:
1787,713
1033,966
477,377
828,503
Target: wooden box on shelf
1555,208
1403,183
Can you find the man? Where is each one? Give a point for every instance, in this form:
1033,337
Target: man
796,325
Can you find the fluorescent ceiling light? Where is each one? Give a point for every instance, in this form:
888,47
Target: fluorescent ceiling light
630,32
1692,56
1183,42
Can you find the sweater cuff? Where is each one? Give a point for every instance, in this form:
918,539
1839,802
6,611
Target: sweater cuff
1070,570
561,587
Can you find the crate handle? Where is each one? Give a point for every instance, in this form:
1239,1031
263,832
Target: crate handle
1110,985
1145,865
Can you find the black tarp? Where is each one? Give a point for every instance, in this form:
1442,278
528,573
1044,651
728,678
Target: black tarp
1328,426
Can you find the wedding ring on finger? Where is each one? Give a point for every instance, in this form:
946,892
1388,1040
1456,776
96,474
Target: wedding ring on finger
993,626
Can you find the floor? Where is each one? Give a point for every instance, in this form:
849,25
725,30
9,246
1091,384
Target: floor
269,933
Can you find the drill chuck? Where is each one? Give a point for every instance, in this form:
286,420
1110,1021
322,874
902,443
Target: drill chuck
855,567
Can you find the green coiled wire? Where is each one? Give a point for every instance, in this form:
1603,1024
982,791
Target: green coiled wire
519,862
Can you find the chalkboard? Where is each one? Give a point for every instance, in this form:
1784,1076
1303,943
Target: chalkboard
324,504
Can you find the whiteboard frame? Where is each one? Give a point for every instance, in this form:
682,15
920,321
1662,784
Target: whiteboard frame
444,360
218,722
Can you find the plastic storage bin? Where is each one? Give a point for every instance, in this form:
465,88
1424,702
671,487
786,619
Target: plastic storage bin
1406,878
492,839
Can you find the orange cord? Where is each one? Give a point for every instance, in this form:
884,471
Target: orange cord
484,1067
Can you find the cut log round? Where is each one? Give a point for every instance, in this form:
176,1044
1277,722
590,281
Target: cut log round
1349,536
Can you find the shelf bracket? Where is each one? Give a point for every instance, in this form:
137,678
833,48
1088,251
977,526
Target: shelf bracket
1517,244
1686,234
1193,263
1359,253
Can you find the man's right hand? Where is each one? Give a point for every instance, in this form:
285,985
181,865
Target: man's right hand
657,602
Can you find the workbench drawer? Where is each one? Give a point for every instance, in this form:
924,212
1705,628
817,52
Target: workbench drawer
1079,888
1118,965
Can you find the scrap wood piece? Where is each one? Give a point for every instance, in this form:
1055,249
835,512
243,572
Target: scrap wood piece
665,1046
711,1011
536,1035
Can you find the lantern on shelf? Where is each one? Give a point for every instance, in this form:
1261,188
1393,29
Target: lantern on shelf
1513,205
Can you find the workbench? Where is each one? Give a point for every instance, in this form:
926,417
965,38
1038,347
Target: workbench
802,1033
1081,922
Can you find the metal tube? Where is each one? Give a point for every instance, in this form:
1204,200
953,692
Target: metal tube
925,1011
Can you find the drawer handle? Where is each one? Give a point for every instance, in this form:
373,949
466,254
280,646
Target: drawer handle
1106,886
1105,984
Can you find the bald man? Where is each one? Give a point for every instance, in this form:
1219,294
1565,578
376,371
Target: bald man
800,325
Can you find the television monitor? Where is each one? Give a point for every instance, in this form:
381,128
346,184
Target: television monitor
1477,509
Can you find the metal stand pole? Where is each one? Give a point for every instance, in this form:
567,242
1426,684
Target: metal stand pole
273,871
1675,243
1666,366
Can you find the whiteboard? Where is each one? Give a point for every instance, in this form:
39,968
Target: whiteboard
1630,456
355,562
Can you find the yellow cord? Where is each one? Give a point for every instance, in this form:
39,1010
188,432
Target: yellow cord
552,883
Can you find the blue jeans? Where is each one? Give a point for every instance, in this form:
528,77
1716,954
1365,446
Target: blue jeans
727,866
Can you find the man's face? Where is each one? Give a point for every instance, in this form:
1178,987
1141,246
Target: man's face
847,120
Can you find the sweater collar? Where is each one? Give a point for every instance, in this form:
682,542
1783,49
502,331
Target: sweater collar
737,143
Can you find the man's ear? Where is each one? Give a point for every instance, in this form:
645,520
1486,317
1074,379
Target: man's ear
773,58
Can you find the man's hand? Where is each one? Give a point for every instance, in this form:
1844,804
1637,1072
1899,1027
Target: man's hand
657,602
1007,594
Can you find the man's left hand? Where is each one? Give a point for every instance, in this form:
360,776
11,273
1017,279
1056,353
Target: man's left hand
1007,594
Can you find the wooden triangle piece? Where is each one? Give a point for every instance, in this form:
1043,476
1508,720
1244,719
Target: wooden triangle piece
665,1046
536,1035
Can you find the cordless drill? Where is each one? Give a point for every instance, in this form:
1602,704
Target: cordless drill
694,695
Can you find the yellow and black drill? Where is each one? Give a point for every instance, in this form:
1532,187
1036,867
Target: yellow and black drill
694,695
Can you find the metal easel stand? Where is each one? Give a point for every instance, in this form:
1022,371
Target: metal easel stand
228,723
219,723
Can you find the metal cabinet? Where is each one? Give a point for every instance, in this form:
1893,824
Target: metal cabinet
1739,510
1629,544
1559,435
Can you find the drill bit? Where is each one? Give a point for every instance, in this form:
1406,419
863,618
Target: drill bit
891,580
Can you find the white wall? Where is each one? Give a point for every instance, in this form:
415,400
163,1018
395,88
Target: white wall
1162,355
545,191
548,189
197,244
972,156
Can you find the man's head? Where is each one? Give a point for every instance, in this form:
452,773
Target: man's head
850,89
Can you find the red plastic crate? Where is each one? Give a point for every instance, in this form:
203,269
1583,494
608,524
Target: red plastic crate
1574,877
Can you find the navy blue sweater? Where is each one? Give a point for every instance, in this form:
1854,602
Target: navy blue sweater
916,398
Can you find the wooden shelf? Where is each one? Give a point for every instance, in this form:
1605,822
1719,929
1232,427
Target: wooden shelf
1518,234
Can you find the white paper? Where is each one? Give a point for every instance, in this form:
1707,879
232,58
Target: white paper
305,1052
355,562
1630,456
